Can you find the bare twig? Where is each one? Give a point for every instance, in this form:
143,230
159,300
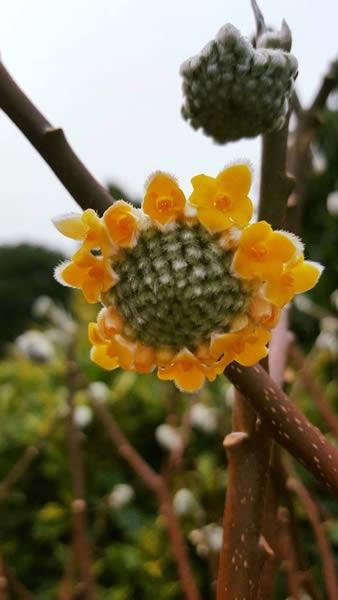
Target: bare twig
288,554
314,388
81,543
3,580
52,145
299,162
158,485
19,469
289,427
328,562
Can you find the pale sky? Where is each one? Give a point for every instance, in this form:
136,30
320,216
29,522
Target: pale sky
107,72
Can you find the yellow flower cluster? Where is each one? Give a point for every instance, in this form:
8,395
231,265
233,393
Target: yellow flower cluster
269,263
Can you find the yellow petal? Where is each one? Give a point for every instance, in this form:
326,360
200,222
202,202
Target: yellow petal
257,232
241,212
164,201
144,359
100,356
109,322
214,220
125,351
278,293
204,191
280,247
223,344
186,370
306,276
94,335
73,275
251,355
71,225
121,224
92,289
242,266
235,180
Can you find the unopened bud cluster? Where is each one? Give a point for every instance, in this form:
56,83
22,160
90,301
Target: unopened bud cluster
233,90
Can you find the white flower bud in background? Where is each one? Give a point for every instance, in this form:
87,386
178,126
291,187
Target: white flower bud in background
120,496
98,391
230,396
327,339
168,437
45,308
35,346
83,415
213,536
319,162
207,539
185,502
332,204
203,417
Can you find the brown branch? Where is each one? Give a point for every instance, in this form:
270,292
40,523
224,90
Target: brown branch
276,185
288,555
19,469
81,543
158,486
314,389
52,145
328,562
289,427
3,580
248,450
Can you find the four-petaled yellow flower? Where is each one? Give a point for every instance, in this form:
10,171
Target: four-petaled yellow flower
262,252
186,370
121,224
297,277
223,201
112,353
247,347
91,274
164,201
88,228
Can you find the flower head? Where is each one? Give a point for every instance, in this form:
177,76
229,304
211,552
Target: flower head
297,277
262,252
164,201
121,224
187,286
93,275
223,201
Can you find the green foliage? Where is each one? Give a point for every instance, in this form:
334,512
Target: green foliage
26,272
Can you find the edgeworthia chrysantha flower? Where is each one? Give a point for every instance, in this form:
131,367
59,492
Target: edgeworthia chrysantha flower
187,286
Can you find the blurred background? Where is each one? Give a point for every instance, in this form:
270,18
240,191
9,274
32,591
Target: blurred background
108,73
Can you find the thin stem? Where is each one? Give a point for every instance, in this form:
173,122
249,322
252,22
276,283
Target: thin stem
52,145
81,543
327,558
314,389
159,487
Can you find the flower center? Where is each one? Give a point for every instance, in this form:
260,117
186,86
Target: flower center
258,252
222,202
164,203
238,346
186,365
175,289
287,280
125,223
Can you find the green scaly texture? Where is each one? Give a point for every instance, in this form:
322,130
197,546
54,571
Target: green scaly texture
175,288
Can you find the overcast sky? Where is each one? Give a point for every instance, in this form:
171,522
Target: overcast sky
107,72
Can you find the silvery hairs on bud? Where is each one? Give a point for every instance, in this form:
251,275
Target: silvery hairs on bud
233,90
